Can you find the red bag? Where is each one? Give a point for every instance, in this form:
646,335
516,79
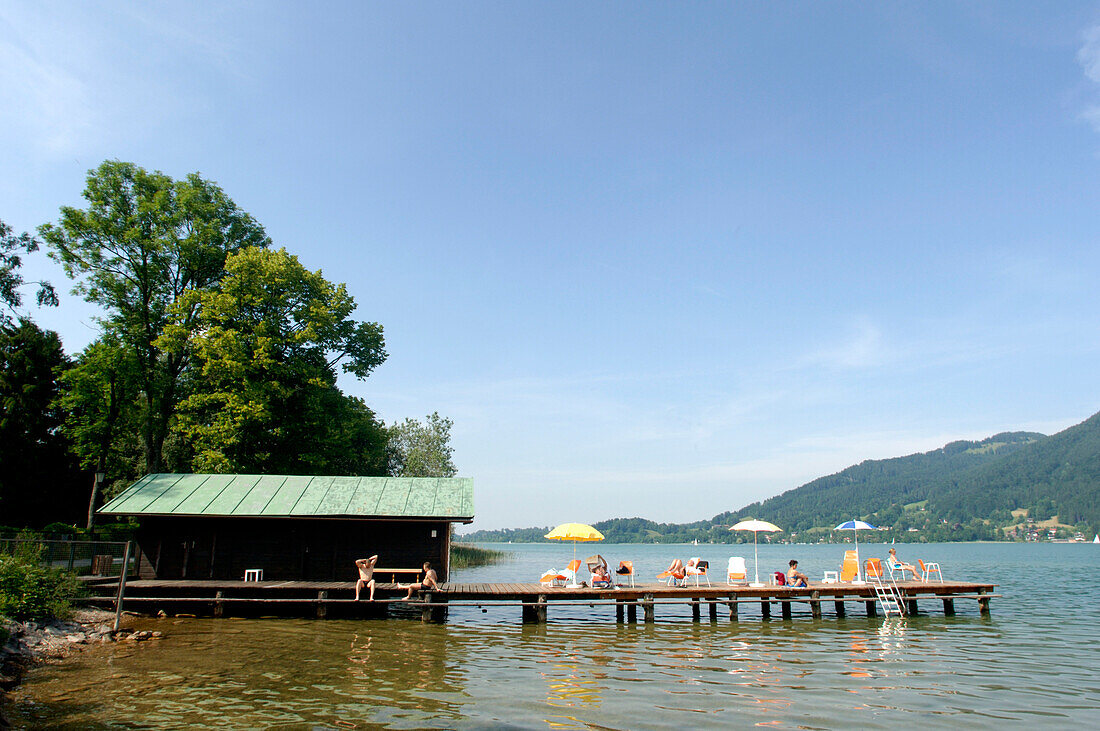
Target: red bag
780,578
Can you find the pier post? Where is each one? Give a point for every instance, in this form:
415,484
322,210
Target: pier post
840,608
632,611
219,608
983,603
426,611
872,609
695,608
732,604
713,605
912,607
765,608
620,610
322,606
949,607
785,607
815,605
647,607
540,610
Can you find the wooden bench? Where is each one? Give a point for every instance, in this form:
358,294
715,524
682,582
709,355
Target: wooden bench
380,573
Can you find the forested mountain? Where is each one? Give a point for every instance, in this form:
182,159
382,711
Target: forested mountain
985,490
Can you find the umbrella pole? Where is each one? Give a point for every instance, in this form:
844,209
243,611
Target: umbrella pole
755,560
859,569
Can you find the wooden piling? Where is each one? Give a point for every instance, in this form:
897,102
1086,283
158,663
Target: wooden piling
695,608
713,607
949,607
732,604
840,609
815,605
785,608
912,607
620,610
219,605
647,607
540,613
122,584
322,604
872,608
632,611
765,608
983,603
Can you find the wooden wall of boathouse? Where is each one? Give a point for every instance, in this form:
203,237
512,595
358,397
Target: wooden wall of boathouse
287,549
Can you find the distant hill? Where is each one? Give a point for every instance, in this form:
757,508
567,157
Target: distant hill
983,490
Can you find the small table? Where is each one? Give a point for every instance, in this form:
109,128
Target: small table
254,575
831,577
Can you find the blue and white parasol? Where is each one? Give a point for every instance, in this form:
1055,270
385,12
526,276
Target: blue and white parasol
855,526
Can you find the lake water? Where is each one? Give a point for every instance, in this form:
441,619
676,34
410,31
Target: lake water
1033,662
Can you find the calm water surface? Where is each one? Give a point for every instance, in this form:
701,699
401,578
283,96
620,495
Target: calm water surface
1032,663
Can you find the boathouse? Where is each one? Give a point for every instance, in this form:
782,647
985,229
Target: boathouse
290,527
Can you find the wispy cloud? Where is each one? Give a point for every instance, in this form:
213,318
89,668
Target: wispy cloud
1089,58
862,346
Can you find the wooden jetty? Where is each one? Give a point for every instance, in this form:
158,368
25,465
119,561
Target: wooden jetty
220,598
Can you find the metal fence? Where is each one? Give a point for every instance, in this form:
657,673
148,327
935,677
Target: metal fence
95,558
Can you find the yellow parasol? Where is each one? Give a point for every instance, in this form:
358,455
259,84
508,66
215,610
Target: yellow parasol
574,532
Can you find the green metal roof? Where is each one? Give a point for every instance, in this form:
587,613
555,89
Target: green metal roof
448,498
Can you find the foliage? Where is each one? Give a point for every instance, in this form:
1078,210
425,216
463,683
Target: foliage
422,449
143,241
10,279
465,557
29,590
266,342
33,452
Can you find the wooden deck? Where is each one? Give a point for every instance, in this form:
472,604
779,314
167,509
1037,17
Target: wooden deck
336,598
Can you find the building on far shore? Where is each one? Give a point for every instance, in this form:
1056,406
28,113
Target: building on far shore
292,527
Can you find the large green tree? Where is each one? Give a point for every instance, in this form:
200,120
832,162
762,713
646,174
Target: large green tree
422,449
142,241
12,248
37,480
99,405
268,341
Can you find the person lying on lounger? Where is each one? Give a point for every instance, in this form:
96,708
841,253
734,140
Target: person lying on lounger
796,577
600,578
430,581
897,565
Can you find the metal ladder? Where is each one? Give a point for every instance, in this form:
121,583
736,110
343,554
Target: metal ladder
888,595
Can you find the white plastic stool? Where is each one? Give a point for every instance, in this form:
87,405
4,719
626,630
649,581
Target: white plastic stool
254,575
831,577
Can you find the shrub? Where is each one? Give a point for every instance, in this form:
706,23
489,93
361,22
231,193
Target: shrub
29,590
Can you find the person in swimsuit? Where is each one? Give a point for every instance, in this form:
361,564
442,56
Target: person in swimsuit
796,577
430,581
897,565
600,578
366,575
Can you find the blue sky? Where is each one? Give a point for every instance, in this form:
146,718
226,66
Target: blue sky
655,259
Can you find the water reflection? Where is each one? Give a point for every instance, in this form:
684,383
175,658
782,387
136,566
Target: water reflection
1031,663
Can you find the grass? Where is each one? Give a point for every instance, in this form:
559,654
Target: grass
465,556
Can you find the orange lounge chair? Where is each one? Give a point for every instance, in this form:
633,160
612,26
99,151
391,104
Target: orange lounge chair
626,568
571,571
872,567
553,577
927,569
675,578
849,570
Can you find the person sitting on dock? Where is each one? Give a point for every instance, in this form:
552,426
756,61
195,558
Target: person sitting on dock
430,581
796,577
897,565
366,575
600,578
